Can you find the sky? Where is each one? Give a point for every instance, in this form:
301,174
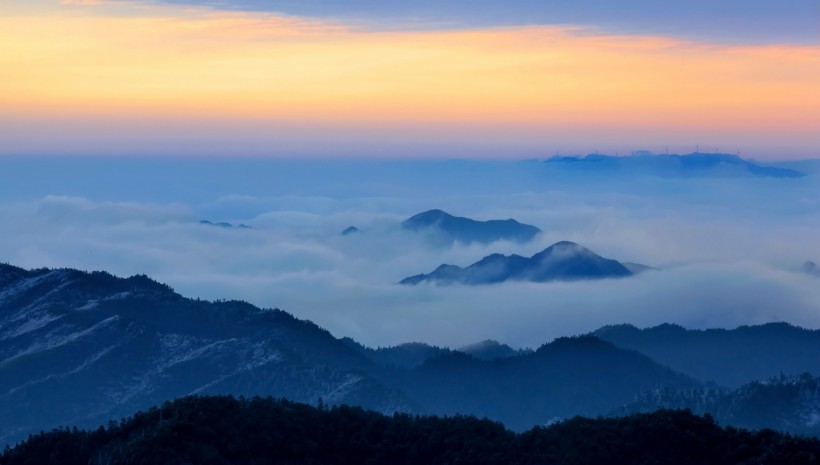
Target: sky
440,79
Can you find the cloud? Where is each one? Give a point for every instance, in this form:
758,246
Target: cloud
72,210
728,250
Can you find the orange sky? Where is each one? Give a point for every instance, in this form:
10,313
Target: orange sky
60,64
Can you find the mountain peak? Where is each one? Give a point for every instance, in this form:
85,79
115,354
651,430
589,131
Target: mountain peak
427,218
445,228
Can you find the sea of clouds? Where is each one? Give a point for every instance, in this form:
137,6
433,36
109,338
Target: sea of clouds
727,251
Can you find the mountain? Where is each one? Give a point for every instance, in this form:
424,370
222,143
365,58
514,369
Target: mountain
84,348
728,357
88,347
563,261
224,224
408,355
350,230
221,430
790,404
691,165
491,350
444,228
567,377
811,268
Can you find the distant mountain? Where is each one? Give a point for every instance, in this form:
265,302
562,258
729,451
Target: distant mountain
408,355
563,261
350,230
811,268
567,377
224,224
88,347
444,228
728,357
691,165
491,350
789,404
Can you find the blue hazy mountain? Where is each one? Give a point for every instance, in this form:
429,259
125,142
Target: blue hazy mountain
350,230
444,228
88,347
407,355
786,403
562,261
567,377
810,268
691,165
84,348
491,350
413,354
224,224
728,357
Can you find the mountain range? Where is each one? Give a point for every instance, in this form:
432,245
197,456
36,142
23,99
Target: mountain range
727,357
785,403
562,261
83,348
692,165
89,347
444,228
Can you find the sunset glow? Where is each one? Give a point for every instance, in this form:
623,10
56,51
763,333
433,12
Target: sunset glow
125,62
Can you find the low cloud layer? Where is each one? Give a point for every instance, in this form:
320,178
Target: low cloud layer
728,251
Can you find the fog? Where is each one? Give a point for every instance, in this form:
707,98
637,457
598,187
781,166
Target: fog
727,251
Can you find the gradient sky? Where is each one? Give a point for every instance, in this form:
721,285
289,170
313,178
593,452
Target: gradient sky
374,78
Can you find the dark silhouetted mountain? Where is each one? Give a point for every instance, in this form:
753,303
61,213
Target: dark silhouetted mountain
223,224
811,268
220,430
691,165
444,228
567,377
790,404
491,350
350,230
728,357
563,261
87,347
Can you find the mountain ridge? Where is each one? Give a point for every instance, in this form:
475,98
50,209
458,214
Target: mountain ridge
445,228
695,164
89,347
562,261
729,357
